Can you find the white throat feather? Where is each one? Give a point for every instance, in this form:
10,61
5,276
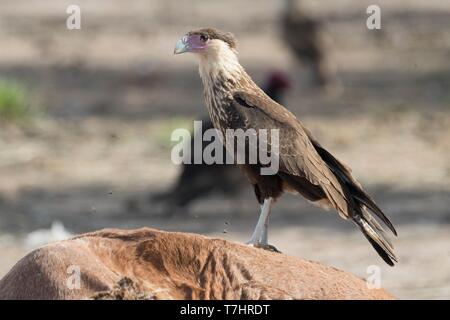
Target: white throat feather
218,63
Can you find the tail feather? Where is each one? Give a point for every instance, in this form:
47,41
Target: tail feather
376,236
363,206
343,172
367,201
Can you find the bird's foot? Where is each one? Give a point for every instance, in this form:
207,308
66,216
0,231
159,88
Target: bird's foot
268,247
264,246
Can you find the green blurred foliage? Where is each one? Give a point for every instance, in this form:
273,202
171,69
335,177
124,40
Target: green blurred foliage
14,101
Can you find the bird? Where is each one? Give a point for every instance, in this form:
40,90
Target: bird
303,35
305,167
194,181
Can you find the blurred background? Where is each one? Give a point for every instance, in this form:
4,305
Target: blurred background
86,117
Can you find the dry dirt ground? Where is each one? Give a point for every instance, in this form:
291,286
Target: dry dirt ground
109,95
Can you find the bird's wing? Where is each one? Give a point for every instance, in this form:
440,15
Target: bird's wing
297,154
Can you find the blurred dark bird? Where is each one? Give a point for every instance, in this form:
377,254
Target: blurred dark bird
303,36
198,181
234,101
276,85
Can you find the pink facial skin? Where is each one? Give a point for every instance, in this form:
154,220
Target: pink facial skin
190,43
194,43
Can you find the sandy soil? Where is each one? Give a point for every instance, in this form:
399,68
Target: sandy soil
110,94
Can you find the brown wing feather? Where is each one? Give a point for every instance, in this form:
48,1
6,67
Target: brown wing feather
298,157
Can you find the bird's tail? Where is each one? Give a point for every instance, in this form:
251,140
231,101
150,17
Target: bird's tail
376,236
364,208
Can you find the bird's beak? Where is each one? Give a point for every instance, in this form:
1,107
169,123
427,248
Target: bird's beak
181,46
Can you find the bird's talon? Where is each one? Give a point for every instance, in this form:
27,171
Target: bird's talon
267,247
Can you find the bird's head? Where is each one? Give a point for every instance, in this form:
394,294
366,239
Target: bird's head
207,42
217,52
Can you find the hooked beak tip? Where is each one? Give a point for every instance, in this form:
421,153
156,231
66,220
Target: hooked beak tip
180,47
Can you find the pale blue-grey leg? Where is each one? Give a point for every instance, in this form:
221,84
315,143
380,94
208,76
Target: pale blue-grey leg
259,235
265,233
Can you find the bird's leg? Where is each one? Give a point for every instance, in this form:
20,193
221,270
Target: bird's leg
259,229
265,238
265,233
260,235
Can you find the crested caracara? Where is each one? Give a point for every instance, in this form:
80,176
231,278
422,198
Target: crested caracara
235,102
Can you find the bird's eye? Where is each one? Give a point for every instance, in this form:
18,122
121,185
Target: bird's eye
204,37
